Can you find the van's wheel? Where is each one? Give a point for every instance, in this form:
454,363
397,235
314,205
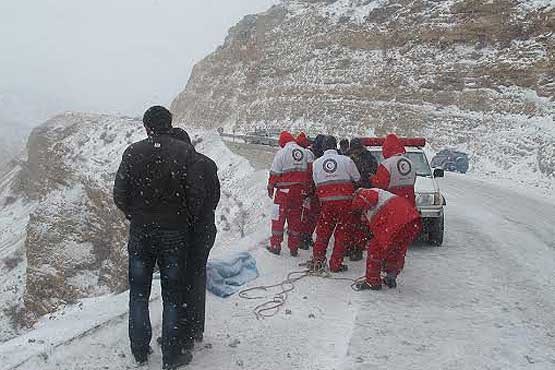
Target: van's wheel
436,229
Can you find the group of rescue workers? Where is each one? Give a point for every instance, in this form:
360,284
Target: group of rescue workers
344,193
169,192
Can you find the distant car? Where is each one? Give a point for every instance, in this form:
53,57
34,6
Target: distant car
429,200
263,137
451,160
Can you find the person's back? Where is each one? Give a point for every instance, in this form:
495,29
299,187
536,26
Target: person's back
366,163
287,184
396,173
204,196
151,188
334,176
153,177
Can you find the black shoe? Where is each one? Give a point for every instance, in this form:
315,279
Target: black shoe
198,338
186,345
141,357
390,281
341,268
294,253
182,359
303,245
355,255
364,285
273,251
306,243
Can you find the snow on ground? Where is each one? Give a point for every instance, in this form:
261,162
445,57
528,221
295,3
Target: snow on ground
484,300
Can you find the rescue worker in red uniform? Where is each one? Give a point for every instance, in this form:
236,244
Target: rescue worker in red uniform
335,177
287,185
311,205
395,224
396,173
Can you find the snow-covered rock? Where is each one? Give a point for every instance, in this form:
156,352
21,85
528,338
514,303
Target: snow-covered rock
61,226
476,75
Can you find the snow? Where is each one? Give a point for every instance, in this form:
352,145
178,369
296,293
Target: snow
354,10
529,5
14,215
484,300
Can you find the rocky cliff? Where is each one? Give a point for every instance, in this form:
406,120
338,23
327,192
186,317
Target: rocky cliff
75,237
62,238
478,75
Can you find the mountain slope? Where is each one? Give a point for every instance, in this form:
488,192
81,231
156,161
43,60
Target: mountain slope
63,239
469,74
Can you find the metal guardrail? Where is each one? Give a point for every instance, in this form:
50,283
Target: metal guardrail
252,139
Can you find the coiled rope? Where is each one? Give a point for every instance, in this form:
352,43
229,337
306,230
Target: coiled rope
272,305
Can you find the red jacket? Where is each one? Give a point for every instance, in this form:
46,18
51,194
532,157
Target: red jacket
386,213
290,165
334,176
396,173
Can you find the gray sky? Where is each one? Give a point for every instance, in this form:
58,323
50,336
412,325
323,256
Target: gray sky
117,56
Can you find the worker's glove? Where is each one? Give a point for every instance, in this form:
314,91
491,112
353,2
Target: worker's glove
271,191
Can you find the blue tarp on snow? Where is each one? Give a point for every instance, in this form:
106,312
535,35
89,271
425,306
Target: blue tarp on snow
225,277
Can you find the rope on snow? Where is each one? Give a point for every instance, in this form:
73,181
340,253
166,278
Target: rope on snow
271,306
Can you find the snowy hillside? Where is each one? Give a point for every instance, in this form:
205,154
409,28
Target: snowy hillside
63,239
474,75
478,302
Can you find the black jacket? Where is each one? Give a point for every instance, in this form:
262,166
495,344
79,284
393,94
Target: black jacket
204,185
204,191
152,182
366,164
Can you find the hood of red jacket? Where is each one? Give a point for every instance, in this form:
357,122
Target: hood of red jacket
302,140
285,138
392,146
364,199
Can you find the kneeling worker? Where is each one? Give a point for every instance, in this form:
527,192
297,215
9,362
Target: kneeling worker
395,224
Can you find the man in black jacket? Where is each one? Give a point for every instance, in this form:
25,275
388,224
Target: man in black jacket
367,166
365,162
204,196
151,189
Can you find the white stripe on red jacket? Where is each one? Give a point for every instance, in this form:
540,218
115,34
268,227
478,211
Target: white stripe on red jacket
290,167
334,176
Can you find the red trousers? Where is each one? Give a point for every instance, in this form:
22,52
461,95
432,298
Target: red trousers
388,254
335,219
311,212
288,208
360,234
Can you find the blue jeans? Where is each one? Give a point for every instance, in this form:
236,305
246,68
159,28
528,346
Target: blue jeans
148,246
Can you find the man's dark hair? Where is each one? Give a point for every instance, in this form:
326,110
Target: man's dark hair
356,143
157,119
329,142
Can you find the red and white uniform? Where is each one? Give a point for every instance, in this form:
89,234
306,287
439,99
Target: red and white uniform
334,176
395,224
289,177
396,173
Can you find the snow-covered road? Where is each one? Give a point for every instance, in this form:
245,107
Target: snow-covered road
486,300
